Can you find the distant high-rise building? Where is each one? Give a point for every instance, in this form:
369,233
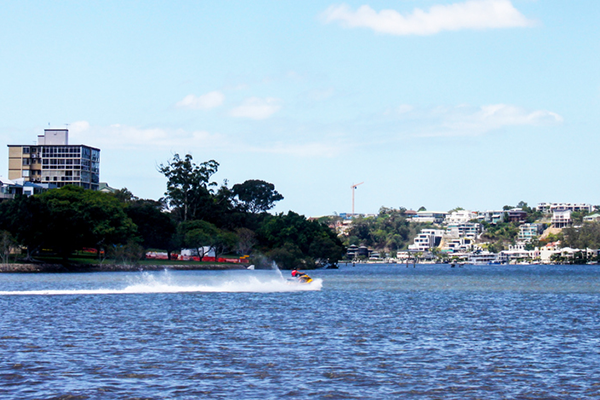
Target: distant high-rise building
54,160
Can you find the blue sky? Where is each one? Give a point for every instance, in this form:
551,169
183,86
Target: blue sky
435,103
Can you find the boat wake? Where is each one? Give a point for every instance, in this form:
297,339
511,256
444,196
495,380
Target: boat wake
167,283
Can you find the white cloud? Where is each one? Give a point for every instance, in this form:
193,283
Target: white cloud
257,108
471,14
206,101
314,149
465,120
401,109
119,136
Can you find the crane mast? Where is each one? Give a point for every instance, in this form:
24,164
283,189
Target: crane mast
353,187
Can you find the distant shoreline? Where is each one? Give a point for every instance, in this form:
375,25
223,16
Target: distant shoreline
59,268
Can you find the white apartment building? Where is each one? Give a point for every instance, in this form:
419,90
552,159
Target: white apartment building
561,218
470,230
551,207
528,232
432,217
462,244
426,240
54,161
491,216
460,217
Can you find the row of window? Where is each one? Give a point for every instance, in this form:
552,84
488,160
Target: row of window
59,161
60,150
62,178
95,179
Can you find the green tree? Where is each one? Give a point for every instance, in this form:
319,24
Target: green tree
155,227
83,218
291,237
189,189
389,232
130,252
586,236
256,196
223,242
197,234
26,219
7,246
246,240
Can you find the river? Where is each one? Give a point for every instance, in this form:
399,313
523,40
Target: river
369,331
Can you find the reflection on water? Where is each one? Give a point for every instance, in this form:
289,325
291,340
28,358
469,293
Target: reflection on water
370,332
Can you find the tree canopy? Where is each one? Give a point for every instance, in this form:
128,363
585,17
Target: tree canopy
256,196
189,188
67,219
195,213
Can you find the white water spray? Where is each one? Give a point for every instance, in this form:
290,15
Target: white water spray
276,268
169,282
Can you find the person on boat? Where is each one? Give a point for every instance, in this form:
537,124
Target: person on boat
297,274
301,276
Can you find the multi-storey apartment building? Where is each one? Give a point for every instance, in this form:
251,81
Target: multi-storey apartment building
528,232
551,207
426,240
469,230
561,219
54,160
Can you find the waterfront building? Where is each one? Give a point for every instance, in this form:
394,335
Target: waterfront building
517,254
54,161
410,213
528,232
592,218
574,207
561,218
470,230
462,244
460,217
516,215
432,217
491,216
352,251
8,188
483,258
427,239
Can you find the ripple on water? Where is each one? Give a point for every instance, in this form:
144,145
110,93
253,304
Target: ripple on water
388,333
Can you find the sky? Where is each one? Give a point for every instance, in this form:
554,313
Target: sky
436,103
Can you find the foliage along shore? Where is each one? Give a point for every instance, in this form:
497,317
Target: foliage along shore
61,268
195,214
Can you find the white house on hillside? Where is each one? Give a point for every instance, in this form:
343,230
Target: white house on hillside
561,218
432,217
528,232
550,207
491,216
460,217
426,240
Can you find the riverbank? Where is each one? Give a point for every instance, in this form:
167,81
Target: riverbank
56,268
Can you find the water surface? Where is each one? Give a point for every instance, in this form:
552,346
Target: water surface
376,331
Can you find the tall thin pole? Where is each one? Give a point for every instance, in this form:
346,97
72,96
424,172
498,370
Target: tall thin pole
353,188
